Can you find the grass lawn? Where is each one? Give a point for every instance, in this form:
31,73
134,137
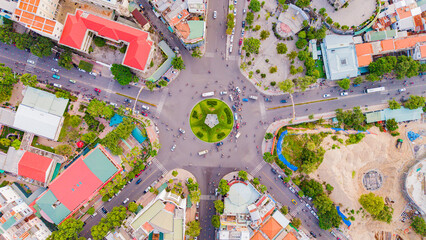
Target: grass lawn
198,116
319,65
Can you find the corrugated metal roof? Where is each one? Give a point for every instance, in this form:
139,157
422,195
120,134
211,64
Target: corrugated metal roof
57,214
148,214
400,115
196,29
44,101
178,229
100,165
163,221
373,117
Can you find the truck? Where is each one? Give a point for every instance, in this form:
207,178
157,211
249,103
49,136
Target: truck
207,94
200,153
377,89
253,97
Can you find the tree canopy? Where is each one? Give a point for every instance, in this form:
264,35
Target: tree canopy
122,74
97,108
215,221
281,48
311,188
7,80
42,47
177,63
193,229
375,205
351,118
219,206
344,83
303,3
327,212
65,60
391,124
419,225
254,5
67,230
112,220
223,187
251,45
415,102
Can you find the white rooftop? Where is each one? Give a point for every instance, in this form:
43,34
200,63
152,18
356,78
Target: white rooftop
44,101
240,196
415,182
211,120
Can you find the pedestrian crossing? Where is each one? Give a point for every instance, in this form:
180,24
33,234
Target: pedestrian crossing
257,169
160,166
208,197
296,210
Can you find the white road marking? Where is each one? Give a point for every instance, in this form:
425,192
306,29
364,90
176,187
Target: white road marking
159,165
162,100
208,197
257,169
262,109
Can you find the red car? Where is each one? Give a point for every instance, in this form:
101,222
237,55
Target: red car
238,125
98,90
241,41
144,114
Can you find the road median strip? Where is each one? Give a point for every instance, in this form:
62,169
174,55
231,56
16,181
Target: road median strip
132,98
304,103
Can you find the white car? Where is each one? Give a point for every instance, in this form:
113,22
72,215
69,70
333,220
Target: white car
81,70
93,74
173,148
344,94
232,38
238,89
402,90
156,130
214,14
181,131
54,70
235,1
233,31
235,11
309,206
230,49
326,95
30,61
73,81
125,200
223,93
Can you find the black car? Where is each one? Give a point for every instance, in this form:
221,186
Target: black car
104,210
274,171
244,24
138,181
313,234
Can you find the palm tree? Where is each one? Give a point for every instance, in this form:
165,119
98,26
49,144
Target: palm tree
287,86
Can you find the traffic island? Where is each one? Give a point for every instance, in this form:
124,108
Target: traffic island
211,120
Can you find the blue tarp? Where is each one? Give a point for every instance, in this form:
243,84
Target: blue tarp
115,120
412,135
279,152
344,218
137,134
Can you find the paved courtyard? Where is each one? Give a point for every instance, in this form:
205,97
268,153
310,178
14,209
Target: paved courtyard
356,13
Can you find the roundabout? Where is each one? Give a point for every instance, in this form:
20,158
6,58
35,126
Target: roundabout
211,120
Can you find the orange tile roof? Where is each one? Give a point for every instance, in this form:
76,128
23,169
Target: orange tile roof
182,15
423,51
404,12
35,22
271,228
139,45
409,42
387,45
364,60
364,48
169,207
290,236
183,29
258,236
147,227
418,23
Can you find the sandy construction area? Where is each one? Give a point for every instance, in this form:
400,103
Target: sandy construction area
344,169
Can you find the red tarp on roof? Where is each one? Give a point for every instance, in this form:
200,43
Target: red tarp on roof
34,166
75,185
139,46
80,144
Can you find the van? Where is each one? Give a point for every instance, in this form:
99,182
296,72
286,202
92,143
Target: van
235,116
253,97
57,85
145,108
207,94
238,135
203,152
231,98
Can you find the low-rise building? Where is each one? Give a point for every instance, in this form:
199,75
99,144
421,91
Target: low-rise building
339,56
403,15
17,220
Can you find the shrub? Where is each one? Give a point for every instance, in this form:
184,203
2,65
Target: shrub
85,66
100,42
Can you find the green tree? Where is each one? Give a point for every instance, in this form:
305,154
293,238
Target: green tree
65,60
358,80
372,77
223,187
302,34
195,196
393,104
268,157
351,119
7,80
252,45
5,142
303,55
67,230
91,211
391,124
311,188
132,207
16,144
281,48
269,136
99,41
303,3
216,221
122,74
322,11
327,212
29,80
254,6
89,137
95,107
75,120
372,203
287,86
243,175
175,173
63,149
419,225
256,182
284,210
292,55
196,53
415,102
42,47
296,222
177,63
264,34
249,18
193,229
263,188
219,206
162,83
344,83
301,43
22,41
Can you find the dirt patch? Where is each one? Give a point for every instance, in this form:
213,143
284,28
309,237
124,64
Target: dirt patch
344,169
17,96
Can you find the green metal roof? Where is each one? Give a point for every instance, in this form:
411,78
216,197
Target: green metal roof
373,117
162,187
148,214
44,101
100,165
56,214
376,36
8,223
166,65
400,115
196,29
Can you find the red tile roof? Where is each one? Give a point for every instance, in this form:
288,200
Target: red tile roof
169,207
271,228
139,46
290,236
423,51
34,166
364,60
404,12
139,17
409,41
75,185
364,48
258,236
387,45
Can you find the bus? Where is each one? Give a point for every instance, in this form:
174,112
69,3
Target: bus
372,90
207,94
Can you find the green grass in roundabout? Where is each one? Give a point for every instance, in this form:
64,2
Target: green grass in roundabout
198,117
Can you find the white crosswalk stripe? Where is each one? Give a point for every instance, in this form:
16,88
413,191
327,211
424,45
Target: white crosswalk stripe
257,169
208,197
296,210
159,165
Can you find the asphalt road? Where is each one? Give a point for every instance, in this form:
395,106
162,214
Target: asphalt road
174,103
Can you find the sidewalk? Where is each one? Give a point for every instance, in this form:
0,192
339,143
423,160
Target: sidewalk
275,126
